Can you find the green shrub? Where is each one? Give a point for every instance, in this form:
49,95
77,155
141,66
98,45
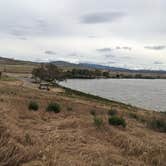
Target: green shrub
98,121
112,112
93,112
117,121
53,107
33,105
158,124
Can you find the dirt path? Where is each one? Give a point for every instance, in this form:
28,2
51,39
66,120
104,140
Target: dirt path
25,79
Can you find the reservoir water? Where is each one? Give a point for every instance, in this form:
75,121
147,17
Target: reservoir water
144,93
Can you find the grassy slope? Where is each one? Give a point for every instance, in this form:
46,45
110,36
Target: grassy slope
16,66
70,138
22,68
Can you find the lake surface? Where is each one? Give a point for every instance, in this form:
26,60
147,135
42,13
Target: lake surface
145,93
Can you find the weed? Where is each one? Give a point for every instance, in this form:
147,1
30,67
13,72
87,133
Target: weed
98,121
117,121
157,124
53,107
93,112
33,105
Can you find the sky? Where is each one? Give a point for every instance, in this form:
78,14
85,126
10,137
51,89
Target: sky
121,33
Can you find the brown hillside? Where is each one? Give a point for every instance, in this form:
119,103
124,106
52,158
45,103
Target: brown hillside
70,138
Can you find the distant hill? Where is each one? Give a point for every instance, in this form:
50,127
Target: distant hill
87,66
10,61
103,67
16,66
64,64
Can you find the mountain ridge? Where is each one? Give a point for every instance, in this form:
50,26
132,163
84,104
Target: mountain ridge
10,61
104,67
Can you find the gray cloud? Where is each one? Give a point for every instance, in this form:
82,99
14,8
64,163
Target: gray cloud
123,48
101,17
159,47
92,36
22,38
116,57
20,33
41,22
41,25
111,62
127,48
106,49
82,26
109,56
34,27
16,32
158,63
73,54
50,52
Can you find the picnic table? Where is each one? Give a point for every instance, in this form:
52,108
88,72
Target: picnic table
44,86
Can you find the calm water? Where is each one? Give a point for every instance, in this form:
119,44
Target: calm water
149,94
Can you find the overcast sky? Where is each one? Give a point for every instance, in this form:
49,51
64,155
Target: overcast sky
123,33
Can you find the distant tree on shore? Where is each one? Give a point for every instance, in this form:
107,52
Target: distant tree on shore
48,72
106,74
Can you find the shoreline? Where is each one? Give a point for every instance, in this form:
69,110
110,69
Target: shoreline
141,93
85,95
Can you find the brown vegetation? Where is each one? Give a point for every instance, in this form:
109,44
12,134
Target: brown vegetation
70,138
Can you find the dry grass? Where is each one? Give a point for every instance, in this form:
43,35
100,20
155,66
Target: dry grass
70,138
23,68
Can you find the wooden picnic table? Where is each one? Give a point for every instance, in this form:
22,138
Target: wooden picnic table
44,86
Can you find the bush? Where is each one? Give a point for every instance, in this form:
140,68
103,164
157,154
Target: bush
53,107
158,124
112,112
33,105
98,121
117,121
93,112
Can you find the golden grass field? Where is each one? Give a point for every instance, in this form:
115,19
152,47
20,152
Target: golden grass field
70,138
24,68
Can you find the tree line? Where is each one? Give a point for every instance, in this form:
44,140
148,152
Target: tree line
50,72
